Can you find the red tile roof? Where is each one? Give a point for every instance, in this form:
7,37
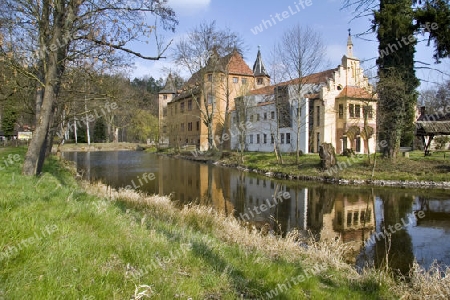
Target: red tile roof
237,65
355,92
267,90
320,77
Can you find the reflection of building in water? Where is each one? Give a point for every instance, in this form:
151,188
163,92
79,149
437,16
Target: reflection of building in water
354,217
195,183
348,216
257,199
433,210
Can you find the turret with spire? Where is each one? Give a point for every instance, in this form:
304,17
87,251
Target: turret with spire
349,44
262,77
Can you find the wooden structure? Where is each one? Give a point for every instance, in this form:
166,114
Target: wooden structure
429,126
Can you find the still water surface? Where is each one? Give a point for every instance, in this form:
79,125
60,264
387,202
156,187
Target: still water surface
356,215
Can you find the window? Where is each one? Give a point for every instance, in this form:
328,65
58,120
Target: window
182,106
358,111
368,111
288,138
282,138
341,111
272,138
257,117
265,138
210,99
234,119
251,118
251,138
272,115
235,79
318,115
349,218
198,125
259,81
355,217
190,126
339,217
187,141
189,104
209,77
351,110
165,112
258,141
318,140
265,116
358,144
165,97
182,126
244,81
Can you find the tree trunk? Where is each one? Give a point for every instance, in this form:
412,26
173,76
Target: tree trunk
35,156
75,131
116,135
33,159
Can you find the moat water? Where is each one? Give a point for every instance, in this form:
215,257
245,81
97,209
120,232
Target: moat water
413,223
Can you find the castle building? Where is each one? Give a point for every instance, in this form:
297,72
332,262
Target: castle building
334,106
198,114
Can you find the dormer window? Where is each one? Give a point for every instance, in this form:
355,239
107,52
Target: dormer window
259,81
339,87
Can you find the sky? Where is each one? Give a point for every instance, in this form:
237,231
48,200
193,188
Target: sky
260,22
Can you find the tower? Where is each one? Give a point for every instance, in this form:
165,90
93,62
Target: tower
262,77
165,96
349,44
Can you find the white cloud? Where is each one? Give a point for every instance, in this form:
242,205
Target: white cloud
189,7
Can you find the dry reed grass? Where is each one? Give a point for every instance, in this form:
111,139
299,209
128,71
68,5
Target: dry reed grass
421,284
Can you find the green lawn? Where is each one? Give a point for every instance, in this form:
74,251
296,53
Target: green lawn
415,168
61,241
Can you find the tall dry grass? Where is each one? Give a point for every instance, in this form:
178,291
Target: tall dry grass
421,284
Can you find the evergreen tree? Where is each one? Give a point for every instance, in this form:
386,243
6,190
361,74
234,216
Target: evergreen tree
100,131
395,32
434,18
9,118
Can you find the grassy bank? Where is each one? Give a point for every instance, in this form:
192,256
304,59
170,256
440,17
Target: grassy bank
60,240
97,146
415,168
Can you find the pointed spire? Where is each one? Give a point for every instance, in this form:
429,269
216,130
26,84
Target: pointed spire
258,67
169,87
349,44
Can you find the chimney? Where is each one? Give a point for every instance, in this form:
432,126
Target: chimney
422,111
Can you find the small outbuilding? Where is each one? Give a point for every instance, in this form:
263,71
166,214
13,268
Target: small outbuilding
429,126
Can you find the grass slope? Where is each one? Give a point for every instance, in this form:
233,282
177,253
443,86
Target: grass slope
62,241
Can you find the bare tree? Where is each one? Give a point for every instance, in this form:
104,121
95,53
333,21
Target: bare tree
202,53
48,35
301,52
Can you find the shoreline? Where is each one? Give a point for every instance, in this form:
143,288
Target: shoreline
323,179
420,184
99,147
